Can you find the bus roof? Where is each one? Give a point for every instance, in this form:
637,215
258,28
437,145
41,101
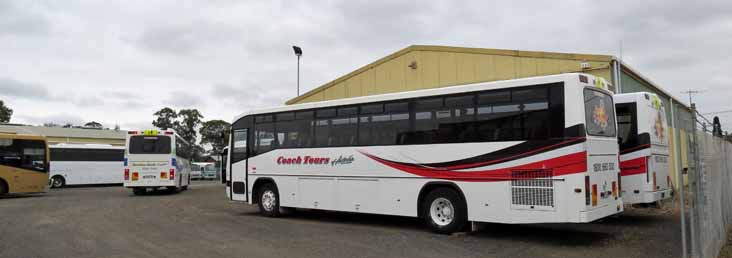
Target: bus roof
427,92
634,97
86,146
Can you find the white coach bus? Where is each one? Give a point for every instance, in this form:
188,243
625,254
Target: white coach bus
644,150
156,159
534,150
85,164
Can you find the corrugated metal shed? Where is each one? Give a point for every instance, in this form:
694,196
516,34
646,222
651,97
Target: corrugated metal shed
422,67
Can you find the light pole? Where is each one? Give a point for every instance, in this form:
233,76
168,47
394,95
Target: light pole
298,53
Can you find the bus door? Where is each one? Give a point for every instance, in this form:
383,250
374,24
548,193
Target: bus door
237,172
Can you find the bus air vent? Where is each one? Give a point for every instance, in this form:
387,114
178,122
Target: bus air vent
530,188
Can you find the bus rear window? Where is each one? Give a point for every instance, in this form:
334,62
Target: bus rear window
150,145
599,113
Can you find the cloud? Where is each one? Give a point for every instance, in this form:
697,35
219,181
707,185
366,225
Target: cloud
22,18
88,101
183,99
142,55
14,88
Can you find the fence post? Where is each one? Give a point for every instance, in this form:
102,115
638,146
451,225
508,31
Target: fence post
694,188
679,179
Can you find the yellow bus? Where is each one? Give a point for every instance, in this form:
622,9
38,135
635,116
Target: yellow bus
23,164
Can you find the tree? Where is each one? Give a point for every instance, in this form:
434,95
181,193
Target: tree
165,119
5,113
212,132
190,120
94,124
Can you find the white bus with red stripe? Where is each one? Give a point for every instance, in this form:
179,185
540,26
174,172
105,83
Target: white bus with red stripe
644,145
534,150
156,159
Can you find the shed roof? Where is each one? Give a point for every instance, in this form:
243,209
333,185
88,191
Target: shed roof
63,132
465,50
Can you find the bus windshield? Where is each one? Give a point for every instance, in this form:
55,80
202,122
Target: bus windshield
150,145
599,113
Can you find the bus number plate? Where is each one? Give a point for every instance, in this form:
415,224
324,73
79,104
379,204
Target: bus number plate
148,177
600,167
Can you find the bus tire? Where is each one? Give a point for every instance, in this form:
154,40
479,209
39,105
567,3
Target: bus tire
3,187
269,204
58,181
173,189
444,211
139,191
184,188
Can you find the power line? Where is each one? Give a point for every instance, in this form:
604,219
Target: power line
718,112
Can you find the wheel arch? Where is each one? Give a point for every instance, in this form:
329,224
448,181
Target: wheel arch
430,186
259,182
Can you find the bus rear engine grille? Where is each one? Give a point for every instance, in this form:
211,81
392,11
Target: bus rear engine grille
531,188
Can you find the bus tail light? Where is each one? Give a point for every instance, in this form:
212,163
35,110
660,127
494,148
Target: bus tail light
172,174
587,190
654,181
135,176
169,133
163,175
594,195
131,132
127,174
620,185
615,190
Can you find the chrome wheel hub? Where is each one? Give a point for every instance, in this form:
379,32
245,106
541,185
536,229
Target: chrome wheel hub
442,212
268,200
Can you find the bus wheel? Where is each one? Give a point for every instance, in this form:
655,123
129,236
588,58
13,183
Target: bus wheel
269,204
3,187
444,211
58,182
139,191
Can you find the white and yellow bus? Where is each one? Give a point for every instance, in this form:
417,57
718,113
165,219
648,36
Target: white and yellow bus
155,159
23,164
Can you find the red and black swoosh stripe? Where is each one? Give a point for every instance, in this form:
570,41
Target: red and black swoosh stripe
558,166
562,165
521,150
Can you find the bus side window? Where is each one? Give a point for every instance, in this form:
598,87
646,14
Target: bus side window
264,134
24,154
240,145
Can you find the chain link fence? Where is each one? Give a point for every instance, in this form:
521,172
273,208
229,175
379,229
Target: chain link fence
709,197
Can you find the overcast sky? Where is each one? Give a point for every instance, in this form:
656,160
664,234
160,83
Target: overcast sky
118,62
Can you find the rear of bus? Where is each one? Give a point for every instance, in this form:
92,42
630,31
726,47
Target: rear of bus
658,179
601,182
644,150
23,164
150,161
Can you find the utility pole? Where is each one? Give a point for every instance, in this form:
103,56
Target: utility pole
691,92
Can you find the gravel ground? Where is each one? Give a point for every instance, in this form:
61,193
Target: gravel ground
111,222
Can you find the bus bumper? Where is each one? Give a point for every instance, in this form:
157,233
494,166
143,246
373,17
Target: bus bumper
601,212
654,196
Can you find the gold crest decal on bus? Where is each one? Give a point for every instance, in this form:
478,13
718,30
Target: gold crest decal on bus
599,116
658,126
150,132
